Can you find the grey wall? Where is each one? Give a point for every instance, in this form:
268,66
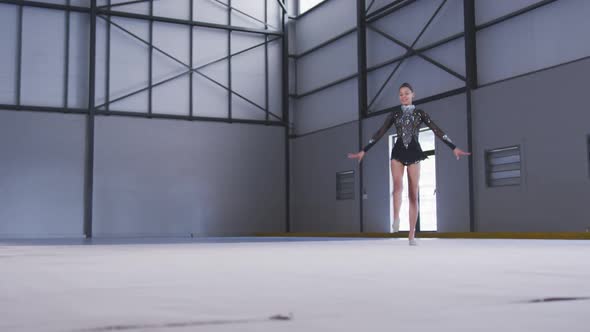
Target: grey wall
152,177
8,58
328,119
43,57
318,153
544,37
517,111
327,108
176,178
547,114
315,160
556,184
328,64
129,61
41,174
323,23
405,25
338,104
452,176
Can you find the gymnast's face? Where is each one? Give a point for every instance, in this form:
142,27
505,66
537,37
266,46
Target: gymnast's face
405,96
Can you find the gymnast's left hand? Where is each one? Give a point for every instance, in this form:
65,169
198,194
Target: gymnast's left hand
458,153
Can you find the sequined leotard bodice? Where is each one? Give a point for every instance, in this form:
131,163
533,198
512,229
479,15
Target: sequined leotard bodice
407,122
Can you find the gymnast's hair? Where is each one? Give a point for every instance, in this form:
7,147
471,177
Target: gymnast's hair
406,85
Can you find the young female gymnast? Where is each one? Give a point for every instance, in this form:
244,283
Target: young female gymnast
407,153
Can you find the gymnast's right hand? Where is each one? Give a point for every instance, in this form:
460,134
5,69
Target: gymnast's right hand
358,155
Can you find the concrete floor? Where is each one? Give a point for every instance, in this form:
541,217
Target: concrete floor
337,285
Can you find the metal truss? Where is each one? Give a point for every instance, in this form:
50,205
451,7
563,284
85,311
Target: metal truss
385,11
106,13
270,34
409,51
